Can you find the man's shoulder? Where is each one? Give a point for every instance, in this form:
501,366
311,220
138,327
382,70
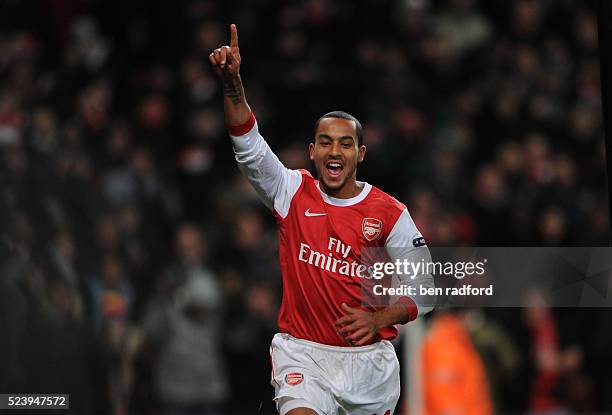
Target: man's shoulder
305,173
386,201
306,181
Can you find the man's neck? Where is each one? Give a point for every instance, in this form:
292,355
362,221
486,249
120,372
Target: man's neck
348,191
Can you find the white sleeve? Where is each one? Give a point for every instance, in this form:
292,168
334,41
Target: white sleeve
405,242
275,184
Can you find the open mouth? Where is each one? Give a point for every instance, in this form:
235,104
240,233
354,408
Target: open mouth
334,168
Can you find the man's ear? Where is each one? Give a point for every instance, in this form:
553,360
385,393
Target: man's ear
311,150
361,155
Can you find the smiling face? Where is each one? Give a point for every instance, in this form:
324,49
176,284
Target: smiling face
336,153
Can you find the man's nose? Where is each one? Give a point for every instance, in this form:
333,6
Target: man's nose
335,149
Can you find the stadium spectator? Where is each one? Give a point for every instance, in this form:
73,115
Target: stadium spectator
454,376
184,324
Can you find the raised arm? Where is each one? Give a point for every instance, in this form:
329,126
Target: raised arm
226,64
275,184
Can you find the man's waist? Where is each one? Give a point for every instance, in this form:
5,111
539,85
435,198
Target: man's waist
333,347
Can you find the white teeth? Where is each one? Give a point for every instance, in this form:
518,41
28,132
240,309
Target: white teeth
334,165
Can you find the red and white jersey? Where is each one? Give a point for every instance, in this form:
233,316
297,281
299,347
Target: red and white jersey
321,240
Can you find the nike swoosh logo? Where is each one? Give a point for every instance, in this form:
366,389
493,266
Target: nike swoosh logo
308,213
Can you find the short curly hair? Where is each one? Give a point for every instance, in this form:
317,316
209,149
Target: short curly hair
344,116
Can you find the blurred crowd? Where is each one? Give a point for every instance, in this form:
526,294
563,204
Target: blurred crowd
138,269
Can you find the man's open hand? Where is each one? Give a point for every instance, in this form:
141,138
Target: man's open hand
226,59
358,327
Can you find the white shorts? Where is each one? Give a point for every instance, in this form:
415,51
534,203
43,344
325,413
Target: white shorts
334,380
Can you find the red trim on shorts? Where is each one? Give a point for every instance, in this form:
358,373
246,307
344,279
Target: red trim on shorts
242,129
272,364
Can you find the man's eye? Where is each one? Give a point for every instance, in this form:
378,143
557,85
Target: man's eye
347,145
324,143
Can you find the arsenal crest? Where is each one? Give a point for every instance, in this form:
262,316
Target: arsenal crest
371,228
294,378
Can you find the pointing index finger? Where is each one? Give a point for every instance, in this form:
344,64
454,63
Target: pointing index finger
233,36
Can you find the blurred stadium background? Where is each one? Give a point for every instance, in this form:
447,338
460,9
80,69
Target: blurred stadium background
139,270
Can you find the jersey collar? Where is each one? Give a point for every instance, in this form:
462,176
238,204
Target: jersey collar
347,202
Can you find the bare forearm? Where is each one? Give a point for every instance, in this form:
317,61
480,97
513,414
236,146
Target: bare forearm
359,327
237,110
394,314
225,61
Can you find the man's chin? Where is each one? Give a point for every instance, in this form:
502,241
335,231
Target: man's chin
332,185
